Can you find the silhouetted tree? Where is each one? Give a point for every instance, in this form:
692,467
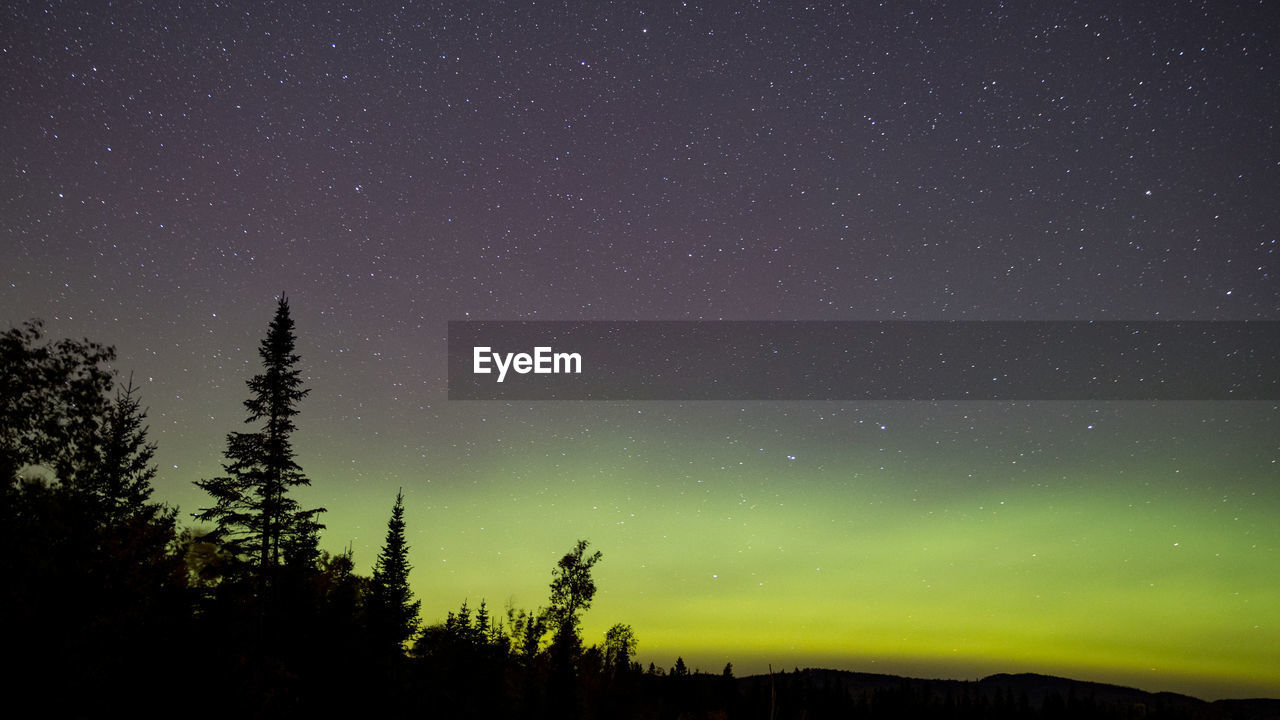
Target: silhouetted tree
57,427
571,592
254,514
392,609
527,628
52,398
619,647
119,483
461,666
92,584
57,422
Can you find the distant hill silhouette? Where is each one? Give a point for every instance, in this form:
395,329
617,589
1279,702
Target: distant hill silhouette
819,692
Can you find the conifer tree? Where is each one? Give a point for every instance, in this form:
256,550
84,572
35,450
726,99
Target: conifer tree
394,612
680,669
255,516
120,480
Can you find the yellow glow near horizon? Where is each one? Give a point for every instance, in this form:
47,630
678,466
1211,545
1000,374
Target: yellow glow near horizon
1105,584
1136,569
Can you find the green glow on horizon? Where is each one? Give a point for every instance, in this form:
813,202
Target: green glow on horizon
1113,568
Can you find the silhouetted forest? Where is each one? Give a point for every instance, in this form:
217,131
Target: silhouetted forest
110,605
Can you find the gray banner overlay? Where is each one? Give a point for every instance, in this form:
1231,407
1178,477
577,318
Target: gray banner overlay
864,360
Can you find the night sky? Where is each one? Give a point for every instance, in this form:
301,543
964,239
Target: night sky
169,171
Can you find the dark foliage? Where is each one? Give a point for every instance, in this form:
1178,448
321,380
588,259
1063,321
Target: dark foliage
93,584
111,610
53,398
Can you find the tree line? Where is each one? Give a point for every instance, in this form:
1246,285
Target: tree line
109,606
112,604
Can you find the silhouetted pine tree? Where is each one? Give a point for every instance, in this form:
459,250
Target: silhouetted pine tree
120,481
393,611
254,514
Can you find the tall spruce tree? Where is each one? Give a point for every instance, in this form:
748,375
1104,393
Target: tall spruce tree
255,516
393,611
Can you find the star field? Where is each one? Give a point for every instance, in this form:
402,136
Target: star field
168,171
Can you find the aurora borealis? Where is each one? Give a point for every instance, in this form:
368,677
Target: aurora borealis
169,171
